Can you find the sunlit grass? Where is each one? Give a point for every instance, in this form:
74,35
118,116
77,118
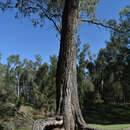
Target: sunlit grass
110,127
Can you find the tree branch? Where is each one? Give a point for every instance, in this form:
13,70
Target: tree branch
44,12
98,23
47,15
51,19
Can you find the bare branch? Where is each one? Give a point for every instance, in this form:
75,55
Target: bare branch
98,23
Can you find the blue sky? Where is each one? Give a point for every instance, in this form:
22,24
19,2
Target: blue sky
21,37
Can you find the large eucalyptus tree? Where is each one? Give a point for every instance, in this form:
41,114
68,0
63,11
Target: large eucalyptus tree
65,15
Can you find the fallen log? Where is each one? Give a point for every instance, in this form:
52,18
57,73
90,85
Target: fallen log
49,124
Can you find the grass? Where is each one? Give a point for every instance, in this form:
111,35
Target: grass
108,117
110,127
108,114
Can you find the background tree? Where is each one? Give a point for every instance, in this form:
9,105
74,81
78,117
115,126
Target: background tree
111,62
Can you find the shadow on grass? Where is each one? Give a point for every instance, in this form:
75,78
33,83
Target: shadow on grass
108,114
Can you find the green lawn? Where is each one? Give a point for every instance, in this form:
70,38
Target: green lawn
110,127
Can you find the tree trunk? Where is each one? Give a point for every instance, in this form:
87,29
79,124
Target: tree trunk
66,77
18,88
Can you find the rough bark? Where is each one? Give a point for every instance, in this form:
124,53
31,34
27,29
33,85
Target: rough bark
66,78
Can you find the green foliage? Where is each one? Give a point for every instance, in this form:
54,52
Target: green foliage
39,10
90,86
108,72
98,99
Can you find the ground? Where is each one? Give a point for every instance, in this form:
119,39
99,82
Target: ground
104,117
